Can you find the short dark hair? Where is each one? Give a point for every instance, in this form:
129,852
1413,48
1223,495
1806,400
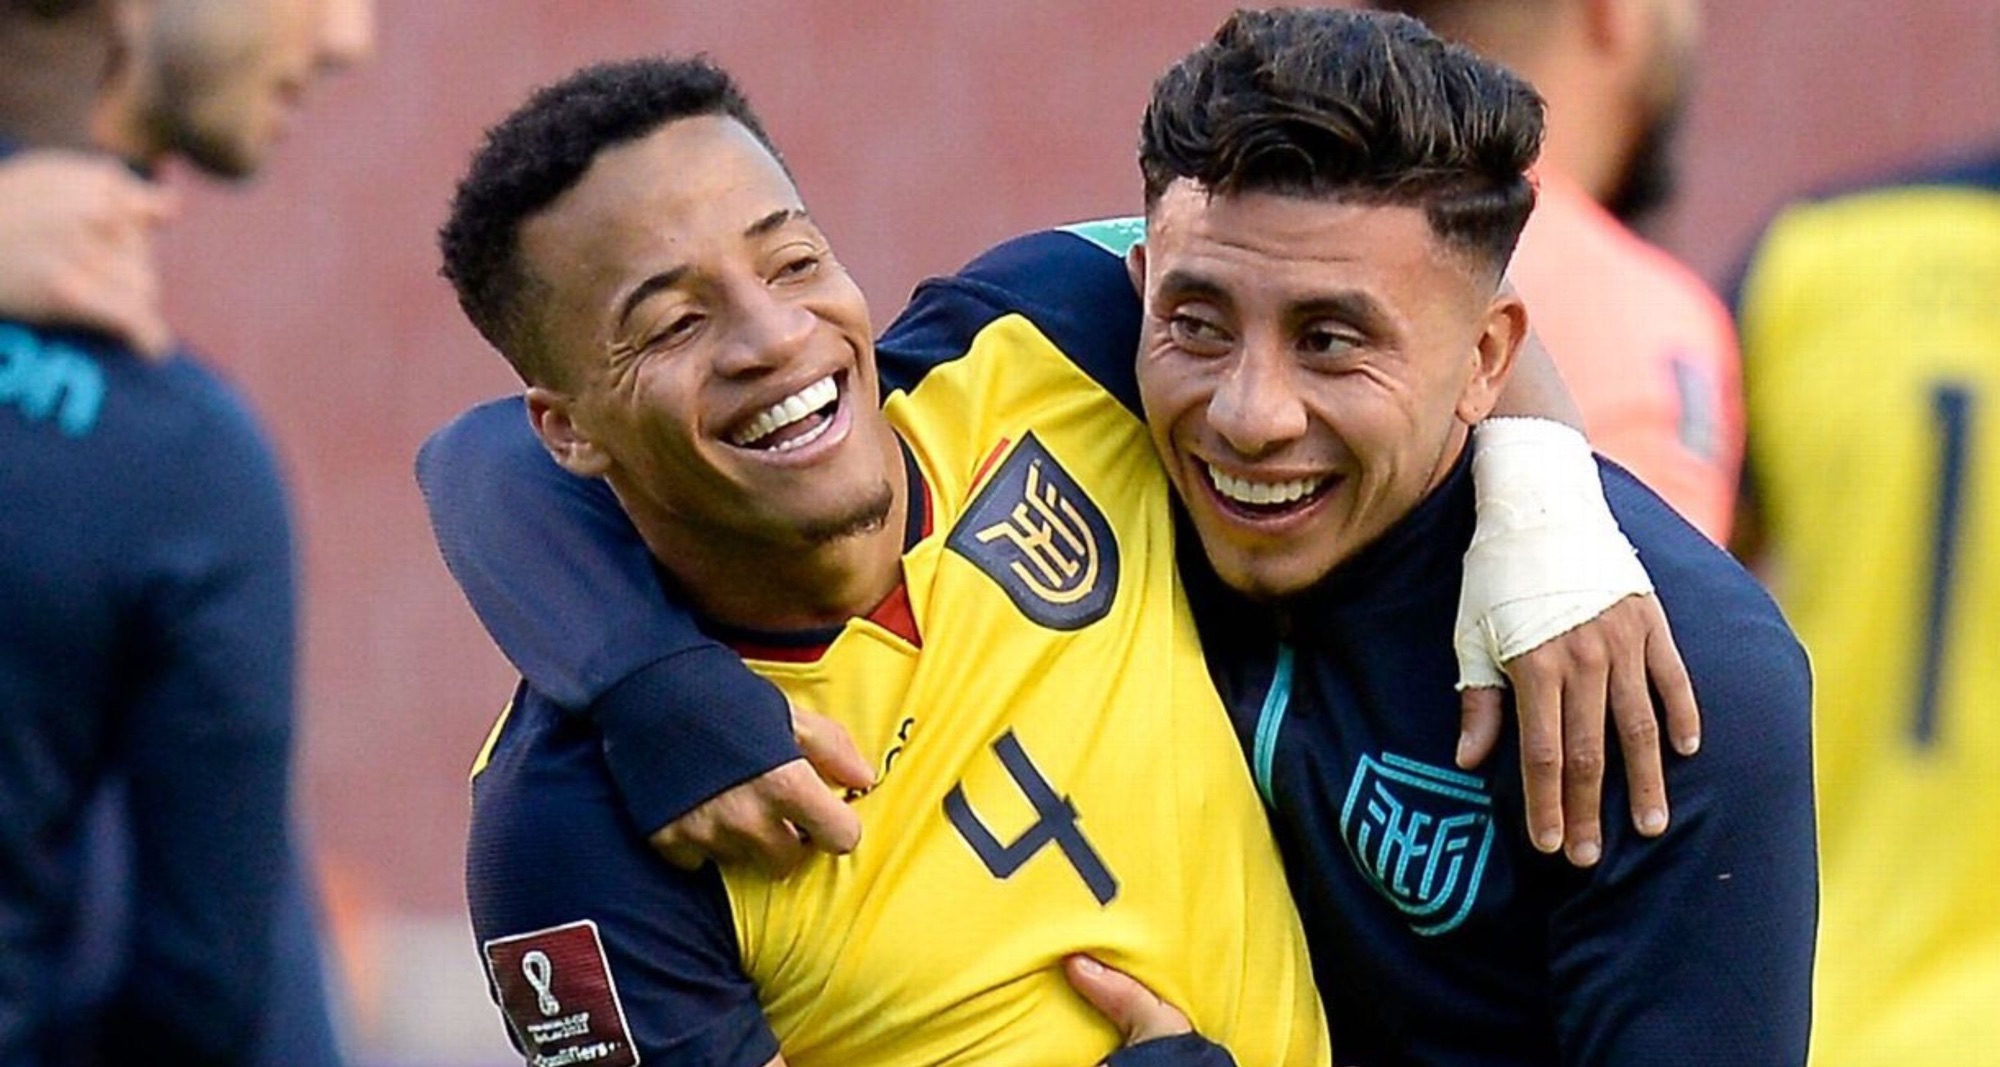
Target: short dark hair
1352,105
535,155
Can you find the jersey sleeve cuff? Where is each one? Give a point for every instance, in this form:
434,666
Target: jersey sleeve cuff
687,727
1183,1050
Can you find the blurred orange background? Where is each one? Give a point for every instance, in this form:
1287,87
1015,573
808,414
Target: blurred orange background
920,133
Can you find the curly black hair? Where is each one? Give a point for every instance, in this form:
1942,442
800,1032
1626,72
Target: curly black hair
538,153
1355,105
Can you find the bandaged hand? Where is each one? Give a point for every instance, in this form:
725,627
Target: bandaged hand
1555,600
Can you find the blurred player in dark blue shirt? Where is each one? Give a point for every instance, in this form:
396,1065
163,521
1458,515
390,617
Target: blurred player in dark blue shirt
148,578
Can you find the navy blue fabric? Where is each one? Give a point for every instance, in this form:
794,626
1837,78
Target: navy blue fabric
146,659
551,846
1075,292
1692,948
148,628
1186,1050
569,592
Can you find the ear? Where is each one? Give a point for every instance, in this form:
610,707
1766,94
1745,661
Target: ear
1503,327
1135,268
549,412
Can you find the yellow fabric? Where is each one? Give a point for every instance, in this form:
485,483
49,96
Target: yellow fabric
1865,321
912,950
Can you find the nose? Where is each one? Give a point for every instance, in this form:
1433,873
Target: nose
346,33
1257,409
770,332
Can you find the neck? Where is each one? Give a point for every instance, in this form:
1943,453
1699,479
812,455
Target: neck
783,583
51,74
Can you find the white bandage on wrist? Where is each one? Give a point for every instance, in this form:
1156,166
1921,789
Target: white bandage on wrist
1546,555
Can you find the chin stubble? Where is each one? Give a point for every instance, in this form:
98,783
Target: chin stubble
865,518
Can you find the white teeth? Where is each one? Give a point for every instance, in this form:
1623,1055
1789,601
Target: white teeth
785,412
1266,494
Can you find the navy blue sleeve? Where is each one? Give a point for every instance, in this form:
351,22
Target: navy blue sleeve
566,588
1698,947
1074,290
588,939
1184,1050
208,739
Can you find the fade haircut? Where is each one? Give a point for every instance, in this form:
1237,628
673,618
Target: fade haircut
1357,106
535,155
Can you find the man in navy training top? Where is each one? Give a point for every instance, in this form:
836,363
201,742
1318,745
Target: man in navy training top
1310,283
148,639
1309,395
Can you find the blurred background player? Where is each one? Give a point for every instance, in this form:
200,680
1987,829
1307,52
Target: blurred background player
148,646
1642,341
1871,341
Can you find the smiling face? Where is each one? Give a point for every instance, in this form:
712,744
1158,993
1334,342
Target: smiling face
1310,369
713,361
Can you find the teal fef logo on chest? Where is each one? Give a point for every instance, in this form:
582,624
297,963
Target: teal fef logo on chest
49,381
1033,530
1421,835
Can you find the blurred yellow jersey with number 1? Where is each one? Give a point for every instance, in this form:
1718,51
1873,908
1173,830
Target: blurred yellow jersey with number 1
1871,339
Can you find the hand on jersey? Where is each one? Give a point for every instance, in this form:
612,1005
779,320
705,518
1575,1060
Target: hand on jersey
775,820
1554,592
1155,1033
77,234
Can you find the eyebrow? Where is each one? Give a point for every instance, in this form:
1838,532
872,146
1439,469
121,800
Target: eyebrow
667,279
1182,283
1356,307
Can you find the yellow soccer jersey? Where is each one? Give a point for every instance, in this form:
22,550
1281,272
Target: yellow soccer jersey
1057,773
1871,336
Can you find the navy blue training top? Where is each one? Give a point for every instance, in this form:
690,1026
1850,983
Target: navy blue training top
1439,934
146,630
1649,958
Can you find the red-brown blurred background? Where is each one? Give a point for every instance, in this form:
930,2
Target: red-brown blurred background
920,132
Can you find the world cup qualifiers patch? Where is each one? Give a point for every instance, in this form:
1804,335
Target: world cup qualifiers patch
556,991
1032,530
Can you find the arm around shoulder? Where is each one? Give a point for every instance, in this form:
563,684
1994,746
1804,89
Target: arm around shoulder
567,589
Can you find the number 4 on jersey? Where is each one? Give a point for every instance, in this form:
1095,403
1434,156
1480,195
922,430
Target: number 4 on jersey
1055,823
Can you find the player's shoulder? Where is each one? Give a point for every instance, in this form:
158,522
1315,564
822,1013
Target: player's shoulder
1731,633
1971,172
84,383
1908,205
540,778
1070,283
1830,232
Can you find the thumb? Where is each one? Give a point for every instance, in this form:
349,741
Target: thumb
1479,719
1133,1009
830,749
